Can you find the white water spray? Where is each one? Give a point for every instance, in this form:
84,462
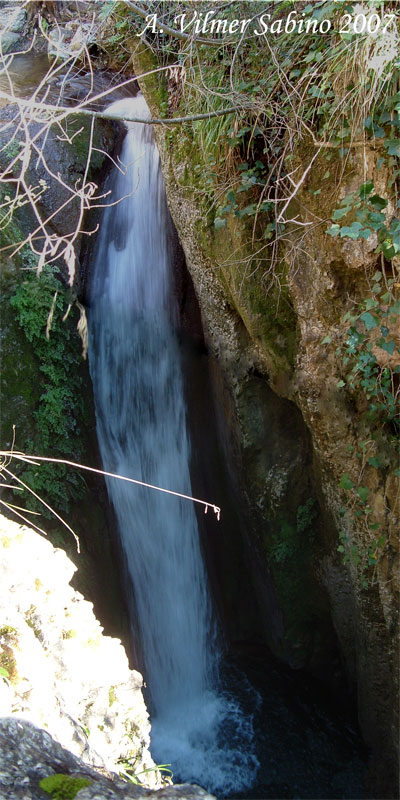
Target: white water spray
142,430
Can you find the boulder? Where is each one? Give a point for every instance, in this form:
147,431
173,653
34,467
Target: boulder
59,671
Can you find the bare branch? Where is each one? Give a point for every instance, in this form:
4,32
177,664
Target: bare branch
46,108
22,457
49,508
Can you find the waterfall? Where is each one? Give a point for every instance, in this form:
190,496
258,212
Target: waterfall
141,416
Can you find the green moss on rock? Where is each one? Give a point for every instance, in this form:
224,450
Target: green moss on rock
63,787
8,663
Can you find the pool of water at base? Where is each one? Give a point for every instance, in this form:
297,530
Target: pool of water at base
306,740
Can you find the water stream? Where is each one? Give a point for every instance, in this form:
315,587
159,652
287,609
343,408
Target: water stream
141,413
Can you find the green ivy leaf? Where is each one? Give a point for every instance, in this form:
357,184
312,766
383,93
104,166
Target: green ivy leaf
388,346
339,213
395,308
393,146
346,482
366,189
365,233
388,249
363,493
378,202
326,340
371,302
369,321
219,223
375,219
351,231
333,230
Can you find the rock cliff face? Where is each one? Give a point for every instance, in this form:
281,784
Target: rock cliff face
296,432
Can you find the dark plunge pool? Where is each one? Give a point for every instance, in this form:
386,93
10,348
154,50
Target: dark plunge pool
307,742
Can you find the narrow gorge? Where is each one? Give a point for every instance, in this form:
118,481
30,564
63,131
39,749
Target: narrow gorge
206,304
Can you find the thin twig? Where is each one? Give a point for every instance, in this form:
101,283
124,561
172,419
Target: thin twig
15,477
22,457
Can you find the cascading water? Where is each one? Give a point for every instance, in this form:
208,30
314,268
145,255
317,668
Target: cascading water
141,424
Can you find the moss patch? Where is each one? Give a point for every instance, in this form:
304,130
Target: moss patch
112,697
8,664
63,787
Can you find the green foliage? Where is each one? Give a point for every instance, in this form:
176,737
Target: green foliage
373,329
106,9
8,664
362,212
364,558
63,787
293,540
128,772
286,544
112,697
11,150
318,84
59,412
326,89
367,356
360,515
305,515
7,629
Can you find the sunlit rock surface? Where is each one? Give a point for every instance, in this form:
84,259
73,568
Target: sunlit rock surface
58,669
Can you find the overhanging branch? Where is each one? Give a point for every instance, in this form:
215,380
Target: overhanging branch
55,112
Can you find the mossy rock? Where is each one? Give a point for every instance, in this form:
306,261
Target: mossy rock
63,787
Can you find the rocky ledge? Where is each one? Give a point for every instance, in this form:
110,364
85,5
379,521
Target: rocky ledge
33,766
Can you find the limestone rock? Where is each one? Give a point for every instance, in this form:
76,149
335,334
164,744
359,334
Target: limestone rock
28,755
71,40
8,40
11,22
60,672
13,18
